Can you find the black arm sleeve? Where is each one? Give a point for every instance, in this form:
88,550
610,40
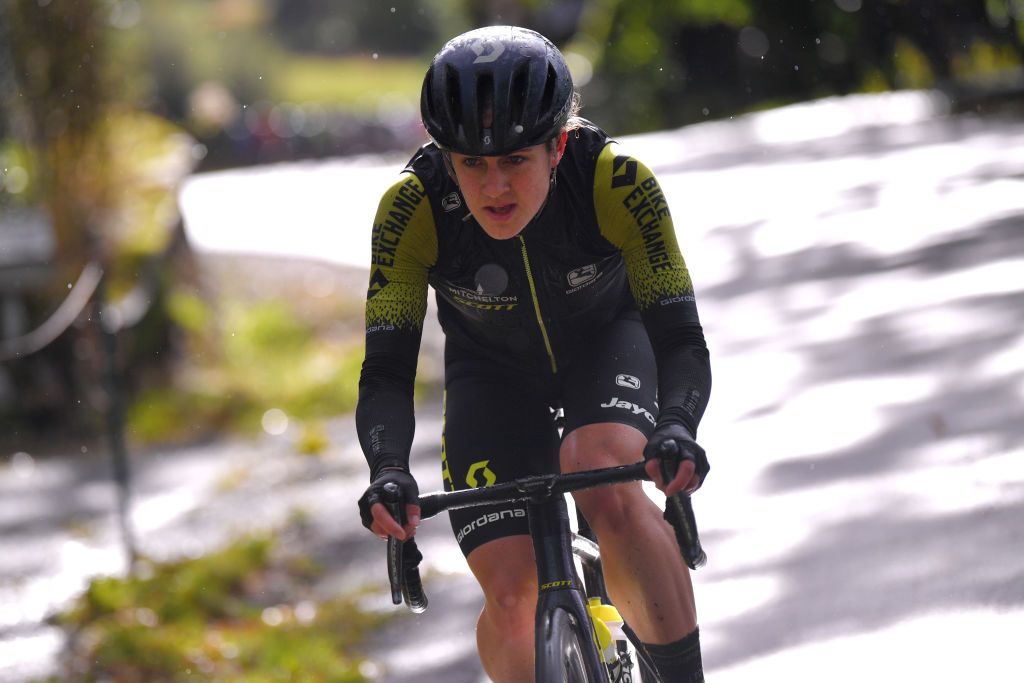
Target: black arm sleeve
385,419
684,375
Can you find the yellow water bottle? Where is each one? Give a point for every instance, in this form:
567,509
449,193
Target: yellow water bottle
607,629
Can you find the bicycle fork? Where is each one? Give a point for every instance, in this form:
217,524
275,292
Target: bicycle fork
556,575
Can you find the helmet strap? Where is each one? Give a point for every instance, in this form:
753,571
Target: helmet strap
447,156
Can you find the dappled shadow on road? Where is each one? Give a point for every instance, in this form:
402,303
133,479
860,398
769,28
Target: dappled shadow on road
438,646
744,143
998,239
867,573
75,496
922,349
965,401
912,427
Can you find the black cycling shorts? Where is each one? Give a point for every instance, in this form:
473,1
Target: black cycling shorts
499,426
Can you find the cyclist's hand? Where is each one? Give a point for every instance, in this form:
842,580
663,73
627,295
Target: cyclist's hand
674,442
375,515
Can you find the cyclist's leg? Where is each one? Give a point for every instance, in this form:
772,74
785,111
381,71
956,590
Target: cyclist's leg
505,629
497,428
609,400
646,577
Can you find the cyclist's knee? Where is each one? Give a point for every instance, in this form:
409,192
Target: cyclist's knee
617,510
510,591
507,574
511,606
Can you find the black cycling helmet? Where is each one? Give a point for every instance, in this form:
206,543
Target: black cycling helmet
517,73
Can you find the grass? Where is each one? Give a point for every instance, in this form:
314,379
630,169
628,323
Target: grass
240,614
357,83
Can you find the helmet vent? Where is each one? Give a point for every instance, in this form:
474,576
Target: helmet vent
549,89
451,77
517,97
485,100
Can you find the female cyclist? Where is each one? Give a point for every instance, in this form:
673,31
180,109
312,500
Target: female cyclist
559,282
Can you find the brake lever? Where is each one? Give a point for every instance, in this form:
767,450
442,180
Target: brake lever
668,460
406,585
392,499
679,509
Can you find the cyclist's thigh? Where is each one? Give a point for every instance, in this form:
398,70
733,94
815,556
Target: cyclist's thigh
614,380
497,427
610,400
505,568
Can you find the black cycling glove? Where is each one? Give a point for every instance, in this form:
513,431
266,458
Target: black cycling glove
400,476
674,441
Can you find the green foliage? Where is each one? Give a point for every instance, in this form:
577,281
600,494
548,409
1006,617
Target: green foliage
189,311
358,83
406,27
184,591
985,58
177,44
161,414
662,64
302,51
246,358
313,440
274,359
738,13
266,328
911,66
19,169
215,619
150,157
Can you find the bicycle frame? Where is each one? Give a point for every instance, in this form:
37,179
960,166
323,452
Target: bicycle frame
558,584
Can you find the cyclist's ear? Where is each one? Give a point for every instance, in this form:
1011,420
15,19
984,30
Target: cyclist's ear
559,148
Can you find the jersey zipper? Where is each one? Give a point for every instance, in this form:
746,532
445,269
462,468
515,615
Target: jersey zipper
536,306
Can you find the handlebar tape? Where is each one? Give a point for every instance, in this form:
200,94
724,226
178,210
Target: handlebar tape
679,513
403,557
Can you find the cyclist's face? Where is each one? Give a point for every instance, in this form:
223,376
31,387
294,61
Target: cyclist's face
504,193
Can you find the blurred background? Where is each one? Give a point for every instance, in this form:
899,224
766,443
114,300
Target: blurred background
119,338
108,105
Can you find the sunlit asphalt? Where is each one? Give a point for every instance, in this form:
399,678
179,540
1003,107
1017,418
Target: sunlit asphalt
857,264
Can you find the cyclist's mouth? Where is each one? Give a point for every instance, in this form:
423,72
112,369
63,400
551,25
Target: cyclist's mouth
500,212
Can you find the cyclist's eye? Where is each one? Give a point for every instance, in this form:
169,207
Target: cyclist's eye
514,160
471,162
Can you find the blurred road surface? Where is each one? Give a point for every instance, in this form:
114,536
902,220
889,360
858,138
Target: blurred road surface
858,265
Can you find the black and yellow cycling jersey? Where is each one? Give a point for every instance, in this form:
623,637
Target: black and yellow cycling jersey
603,244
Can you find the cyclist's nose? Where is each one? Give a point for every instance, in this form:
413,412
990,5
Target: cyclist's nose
495,182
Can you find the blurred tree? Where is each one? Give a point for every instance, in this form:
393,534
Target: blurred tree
657,64
401,27
556,19
56,105
103,175
57,51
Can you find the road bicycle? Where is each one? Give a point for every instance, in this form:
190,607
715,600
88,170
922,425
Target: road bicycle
567,649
